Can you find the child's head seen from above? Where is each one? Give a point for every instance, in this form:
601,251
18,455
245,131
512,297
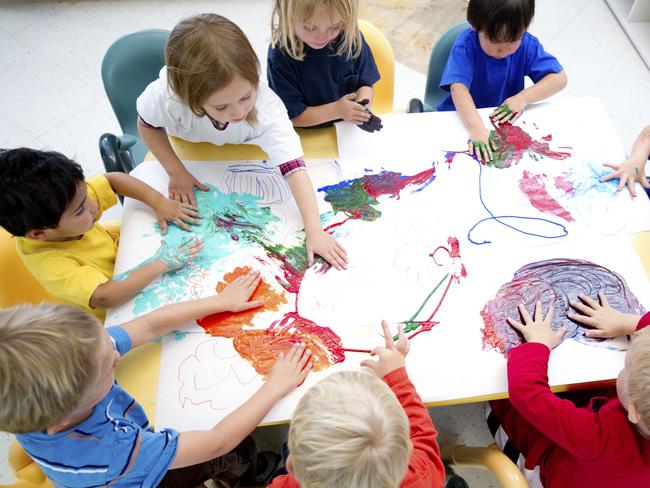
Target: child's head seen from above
501,24
213,69
633,382
316,23
43,196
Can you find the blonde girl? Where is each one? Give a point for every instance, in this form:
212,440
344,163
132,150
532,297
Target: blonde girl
210,91
319,63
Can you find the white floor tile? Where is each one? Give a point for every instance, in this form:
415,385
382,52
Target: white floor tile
19,15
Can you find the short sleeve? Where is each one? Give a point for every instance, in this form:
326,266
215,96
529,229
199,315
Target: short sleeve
120,338
155,103
366,66
100,190
539,63
281,72
460,66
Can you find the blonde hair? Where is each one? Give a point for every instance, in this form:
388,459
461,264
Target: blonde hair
638,376
47,364
203,55
287,12
349,430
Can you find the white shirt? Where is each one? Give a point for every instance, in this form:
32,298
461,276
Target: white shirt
273,132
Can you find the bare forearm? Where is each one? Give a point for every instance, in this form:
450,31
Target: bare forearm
114,293
303,193
134,188
641,147
465,107
316,115
545,88
158,143
365,93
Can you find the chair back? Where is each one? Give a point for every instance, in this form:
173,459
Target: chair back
433,94
384,89
129,65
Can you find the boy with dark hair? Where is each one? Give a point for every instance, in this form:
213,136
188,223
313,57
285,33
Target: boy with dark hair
487,66
54,213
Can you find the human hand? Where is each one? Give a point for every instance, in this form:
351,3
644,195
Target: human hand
179,213
605,320
539,329
374,123
509,111
480,145
290,369
391,356
181,187
628,172
176,257
326,246
235,296
348,109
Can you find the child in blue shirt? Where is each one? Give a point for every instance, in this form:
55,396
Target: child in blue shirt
57,375
319,63
487,66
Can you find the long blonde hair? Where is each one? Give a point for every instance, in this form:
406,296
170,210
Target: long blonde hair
287,12
203,55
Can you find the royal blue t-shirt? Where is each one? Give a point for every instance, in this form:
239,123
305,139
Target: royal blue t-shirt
491,80
321,77
114,445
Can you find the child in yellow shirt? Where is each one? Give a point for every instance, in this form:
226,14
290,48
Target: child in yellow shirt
46,203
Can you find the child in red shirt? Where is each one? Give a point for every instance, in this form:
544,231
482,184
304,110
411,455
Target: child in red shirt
604,444
352,429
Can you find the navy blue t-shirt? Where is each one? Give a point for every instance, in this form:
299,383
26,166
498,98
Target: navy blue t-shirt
490,80
321,77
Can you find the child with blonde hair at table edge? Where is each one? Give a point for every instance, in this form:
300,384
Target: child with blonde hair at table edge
602,445
320,65
60,398
633,168
487,66
54,214
359,429
210,91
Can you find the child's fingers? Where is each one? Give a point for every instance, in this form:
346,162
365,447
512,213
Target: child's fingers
517,325
163,226
583,319
304,359
597,334
549,314
250,305
388,337
603,299
589,301
369,363
538,310
582,308
296,351
644,182
402,341
559,333
524,314
303,373
182,224
631,183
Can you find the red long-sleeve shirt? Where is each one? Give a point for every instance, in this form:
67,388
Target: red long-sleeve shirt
425,469
594,447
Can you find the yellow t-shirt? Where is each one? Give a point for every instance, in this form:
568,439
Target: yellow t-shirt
71,271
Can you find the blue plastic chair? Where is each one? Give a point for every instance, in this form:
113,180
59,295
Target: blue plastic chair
433,94
129,65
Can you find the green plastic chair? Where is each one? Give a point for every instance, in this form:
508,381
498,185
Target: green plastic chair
129,65
433,94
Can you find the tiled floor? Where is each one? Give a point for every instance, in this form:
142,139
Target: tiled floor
52,94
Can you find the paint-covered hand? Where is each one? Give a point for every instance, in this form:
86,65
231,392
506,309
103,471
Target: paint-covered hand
391,356
290,369
374,123
509,111
235,297
538,329
181,187
176,257
326,246
628,172
481,144
347,108
605,320
179,213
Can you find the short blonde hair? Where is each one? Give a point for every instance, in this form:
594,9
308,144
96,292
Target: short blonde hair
349,430
287,12
203,55
638,376
47,364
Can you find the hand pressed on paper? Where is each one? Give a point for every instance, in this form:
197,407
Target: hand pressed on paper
326,246
391,356
181,214
605,320
481,145
235,297
509,111
177,257
347,108
290,369
538,329
628,172
181,187
374,123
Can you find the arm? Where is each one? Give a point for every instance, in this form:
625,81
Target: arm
318,241
181,181
113,292
604,320
345,108
365,93
480,144
633,168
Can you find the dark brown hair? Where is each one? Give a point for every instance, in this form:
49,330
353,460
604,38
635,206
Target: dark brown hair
501,20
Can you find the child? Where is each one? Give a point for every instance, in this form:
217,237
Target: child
355,429
319,63
603,445
210,91
487,66
59,395
54,213
633,168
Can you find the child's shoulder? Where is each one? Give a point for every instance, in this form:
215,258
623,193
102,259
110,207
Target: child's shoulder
467,39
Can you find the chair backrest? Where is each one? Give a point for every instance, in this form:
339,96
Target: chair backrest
433,94
28,473
17,285
129,65
384,89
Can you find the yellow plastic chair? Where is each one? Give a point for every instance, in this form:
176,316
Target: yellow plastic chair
490,458
382,52
28,474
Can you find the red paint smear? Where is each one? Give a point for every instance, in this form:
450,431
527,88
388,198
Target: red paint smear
547,138
533,187
561,183
228,324
390,183
454,254
516,141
